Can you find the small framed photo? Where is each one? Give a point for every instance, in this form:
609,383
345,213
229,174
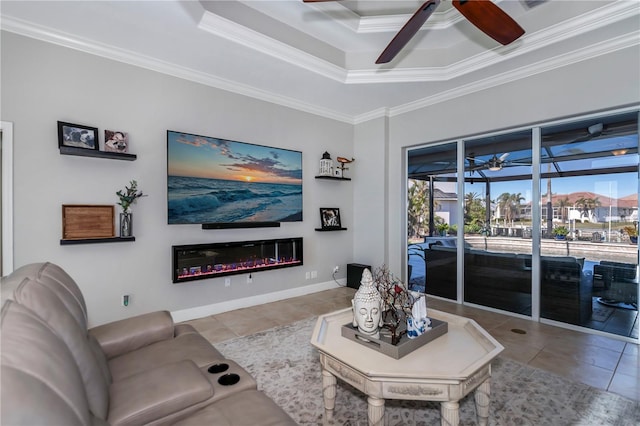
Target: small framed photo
330,218
116,141
77,136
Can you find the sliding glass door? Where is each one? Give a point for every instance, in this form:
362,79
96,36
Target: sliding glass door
547,213
497,207
433,220
589,253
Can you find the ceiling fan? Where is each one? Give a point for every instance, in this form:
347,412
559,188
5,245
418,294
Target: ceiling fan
493,164
484,14
577,140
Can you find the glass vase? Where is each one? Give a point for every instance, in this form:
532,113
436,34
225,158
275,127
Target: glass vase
126,223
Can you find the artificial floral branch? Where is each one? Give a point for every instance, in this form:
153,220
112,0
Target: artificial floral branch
129,195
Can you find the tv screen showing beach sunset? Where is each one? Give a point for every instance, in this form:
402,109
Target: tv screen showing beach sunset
214,180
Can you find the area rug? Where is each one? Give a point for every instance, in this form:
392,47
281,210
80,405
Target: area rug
287,369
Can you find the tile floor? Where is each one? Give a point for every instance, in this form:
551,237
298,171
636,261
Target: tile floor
598,361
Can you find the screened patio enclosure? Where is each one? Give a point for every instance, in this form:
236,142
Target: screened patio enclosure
544,219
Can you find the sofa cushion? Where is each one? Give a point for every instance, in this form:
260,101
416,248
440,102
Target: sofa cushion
155,394
42,380
186,346
41,301
245,408
12,281
127,335
57,280
565,259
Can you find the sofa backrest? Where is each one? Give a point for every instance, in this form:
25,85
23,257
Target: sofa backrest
61,283
57,280
90,360
42,292
41,383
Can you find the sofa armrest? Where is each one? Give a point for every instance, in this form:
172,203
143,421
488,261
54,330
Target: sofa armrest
120,337
154,394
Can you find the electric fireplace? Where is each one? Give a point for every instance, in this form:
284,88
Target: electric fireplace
202,261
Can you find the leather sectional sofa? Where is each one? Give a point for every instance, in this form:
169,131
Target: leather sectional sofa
141,370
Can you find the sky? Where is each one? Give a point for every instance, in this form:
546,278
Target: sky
207,157
614,185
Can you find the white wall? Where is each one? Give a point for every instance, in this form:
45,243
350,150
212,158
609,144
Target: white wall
598,84
370,196
43,83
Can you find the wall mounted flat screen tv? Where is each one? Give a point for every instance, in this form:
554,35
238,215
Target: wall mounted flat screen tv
212,181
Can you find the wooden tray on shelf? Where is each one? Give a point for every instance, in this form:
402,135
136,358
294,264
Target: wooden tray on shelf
81,221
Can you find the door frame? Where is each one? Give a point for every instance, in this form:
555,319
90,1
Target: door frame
6,138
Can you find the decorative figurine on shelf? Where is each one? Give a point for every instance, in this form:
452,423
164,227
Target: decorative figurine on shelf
326,165
342,162
127,198
367,307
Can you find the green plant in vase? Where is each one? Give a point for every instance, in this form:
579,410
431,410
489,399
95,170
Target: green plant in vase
127,197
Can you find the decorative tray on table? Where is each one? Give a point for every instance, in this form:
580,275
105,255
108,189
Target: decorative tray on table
404,346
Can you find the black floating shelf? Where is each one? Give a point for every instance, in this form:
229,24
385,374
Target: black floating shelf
330,229
232,225
332,178
97,240
81,152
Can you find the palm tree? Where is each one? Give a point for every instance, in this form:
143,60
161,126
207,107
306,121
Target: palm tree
418,206
562,204
587,205
475,212
510,204
503,203
514,206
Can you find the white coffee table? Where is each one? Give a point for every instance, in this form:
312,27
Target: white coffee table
445,369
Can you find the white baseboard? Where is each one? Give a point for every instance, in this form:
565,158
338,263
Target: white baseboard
230,305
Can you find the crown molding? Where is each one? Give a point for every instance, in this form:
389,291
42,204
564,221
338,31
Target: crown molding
585,23
576,27
394,23
605,47
371,115
244,36
92,47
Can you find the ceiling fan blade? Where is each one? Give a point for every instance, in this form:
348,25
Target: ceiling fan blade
490,19
408,31
316,1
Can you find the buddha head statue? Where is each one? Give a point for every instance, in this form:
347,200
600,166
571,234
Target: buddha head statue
367,307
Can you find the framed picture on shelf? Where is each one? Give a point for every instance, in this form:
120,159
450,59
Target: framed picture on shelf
77,136
116,141
330,218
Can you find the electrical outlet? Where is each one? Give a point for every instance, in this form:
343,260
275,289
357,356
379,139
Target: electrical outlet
227,282
314,274
336,269
125,300
307,275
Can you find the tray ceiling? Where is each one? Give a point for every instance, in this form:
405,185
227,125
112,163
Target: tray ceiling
319,57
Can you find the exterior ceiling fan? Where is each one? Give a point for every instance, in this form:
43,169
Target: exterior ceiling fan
484,14
495,163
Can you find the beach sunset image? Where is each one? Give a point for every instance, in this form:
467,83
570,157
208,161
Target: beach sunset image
213,180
